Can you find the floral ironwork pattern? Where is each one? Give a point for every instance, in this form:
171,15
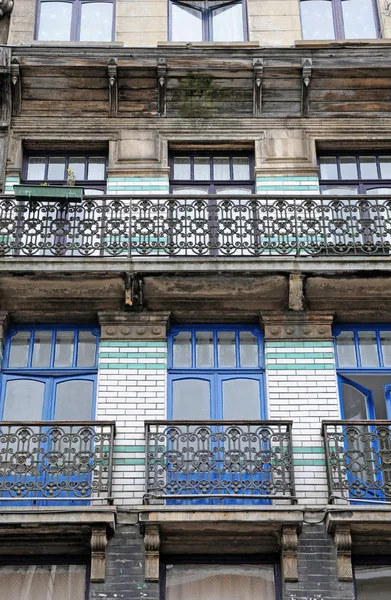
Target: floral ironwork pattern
219,459
166,226
56,461
358,459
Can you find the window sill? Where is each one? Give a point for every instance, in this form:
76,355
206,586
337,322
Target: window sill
208,44
343,43
43,44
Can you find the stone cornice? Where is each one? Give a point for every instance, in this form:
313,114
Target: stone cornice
297,325
134,326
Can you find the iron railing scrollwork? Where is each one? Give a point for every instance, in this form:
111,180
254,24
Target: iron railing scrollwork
219,459
194,226
56,461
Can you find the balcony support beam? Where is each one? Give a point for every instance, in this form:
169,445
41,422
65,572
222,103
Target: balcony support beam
289,543
297,325
296,292
147,326
152,547
98,553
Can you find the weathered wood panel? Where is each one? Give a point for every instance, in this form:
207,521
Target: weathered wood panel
138,93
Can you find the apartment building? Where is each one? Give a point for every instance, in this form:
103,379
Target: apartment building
195,234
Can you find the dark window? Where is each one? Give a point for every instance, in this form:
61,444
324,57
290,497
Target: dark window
207,20
88,171
351,174
339,19
372,576
75,20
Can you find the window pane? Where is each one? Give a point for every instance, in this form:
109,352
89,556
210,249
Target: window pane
368,349
64,349
202,168
241,168
86,349
96,168
340,191
227,23
328,167
379,191
354,403
226,348
348,167
96,22
191,400
233,191
19,350
182,349
359,19
385,167
74,400
42,349
186,24
317,20
385,339
77,164
93,192
368,167
221,168
56,168
241,399
373,581
248,349
33,582
23,400
346,350
204,349
55,21
181,168
36,168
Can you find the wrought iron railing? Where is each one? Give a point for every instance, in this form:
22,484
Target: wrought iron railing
56,461
219,459
358,460
224,226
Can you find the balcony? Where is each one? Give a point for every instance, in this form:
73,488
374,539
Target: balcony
219,462
168,227
358,460
50,462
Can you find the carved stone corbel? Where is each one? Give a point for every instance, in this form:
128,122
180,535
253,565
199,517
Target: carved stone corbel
133,292
112,74
289,541
296,292
306,64
343,544
5,7
98,553
152,546
257,86
162,86
16,81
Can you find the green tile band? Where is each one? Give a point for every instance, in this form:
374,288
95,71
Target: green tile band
140,344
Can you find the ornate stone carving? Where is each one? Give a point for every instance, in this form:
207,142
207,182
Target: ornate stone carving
112,76
6,7
162,86
257,86
297,325
134,326
16,82
343,543
306,64
152,546
296,291
98,553
289,541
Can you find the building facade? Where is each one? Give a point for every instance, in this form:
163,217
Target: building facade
195,234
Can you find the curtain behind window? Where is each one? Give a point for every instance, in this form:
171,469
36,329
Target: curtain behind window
43,582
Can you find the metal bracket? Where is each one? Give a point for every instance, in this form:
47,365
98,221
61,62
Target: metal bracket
306,64
162,86
257,86
112,74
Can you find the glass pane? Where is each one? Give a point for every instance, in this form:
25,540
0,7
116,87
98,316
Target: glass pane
379,191
96,22
227,23
346,350
220,582
359,19
233,191
77,164
202,168
221,168
86,349
204,349
191,400
317,20
36,168
56,168
19,350
181,168
374,580
241,168
64,349
385,340
226,348
348,167
248,349
195,191
96,168
182,349
340,191
93,192
385,167
241,399
55,21
42,349
74,400
24,400
328,167
368,349
368,167
186,24
36,582
354,403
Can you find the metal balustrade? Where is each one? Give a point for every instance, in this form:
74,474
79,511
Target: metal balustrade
222,226
56,461
358,460
225,460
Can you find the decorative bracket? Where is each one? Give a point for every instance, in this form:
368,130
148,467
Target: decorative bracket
133,292
112,74
343,543
257,86
152,546
289,543
162,86
98,553
306,64
296,292
16,81
5,7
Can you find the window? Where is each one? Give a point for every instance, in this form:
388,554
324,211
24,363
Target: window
207,20
89,170
351,174
372,575
339,19
75,20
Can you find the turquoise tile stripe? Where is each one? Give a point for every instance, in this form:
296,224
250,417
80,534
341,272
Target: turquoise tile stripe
308,344
288,178
307,354
281,188
152,366
141,449
140,344
132,355
302,367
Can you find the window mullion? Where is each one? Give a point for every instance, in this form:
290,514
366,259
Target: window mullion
338,19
